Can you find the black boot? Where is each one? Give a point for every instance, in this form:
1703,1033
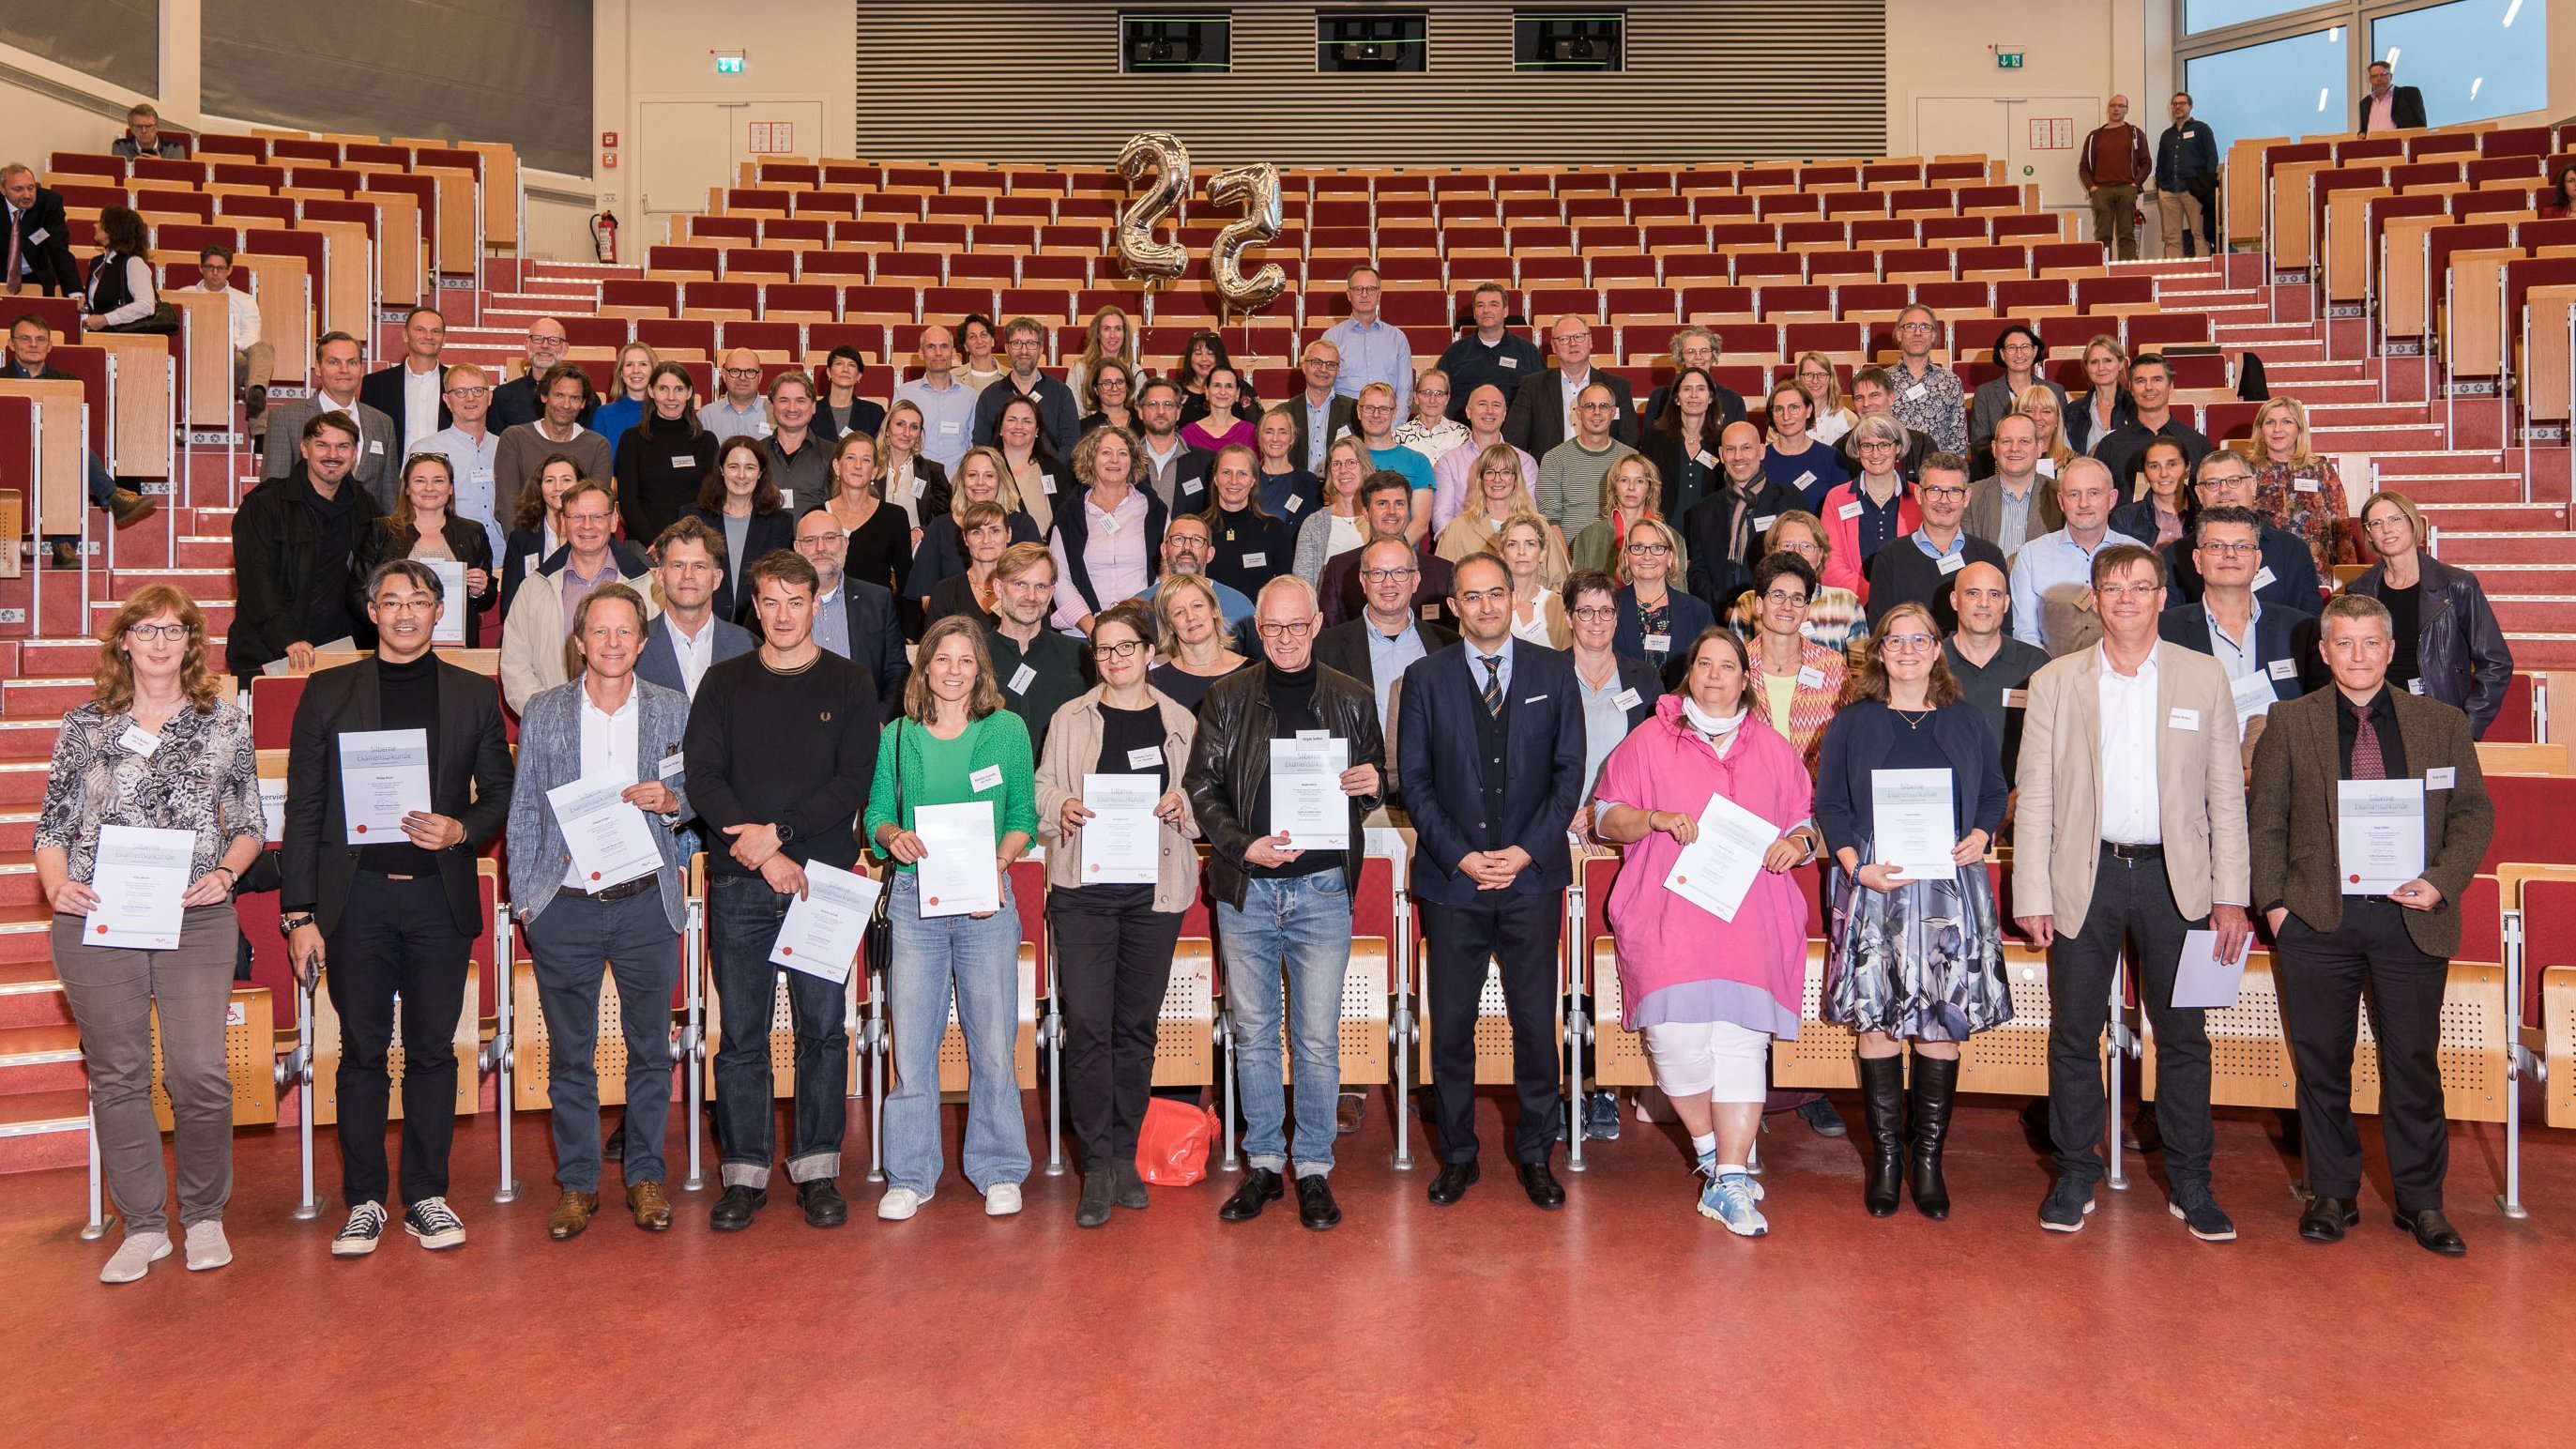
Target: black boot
1936,1086
1882,1102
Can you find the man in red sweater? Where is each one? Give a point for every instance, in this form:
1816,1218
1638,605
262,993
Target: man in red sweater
2113,163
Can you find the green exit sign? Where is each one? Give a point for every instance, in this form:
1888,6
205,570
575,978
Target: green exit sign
732,64
2007,60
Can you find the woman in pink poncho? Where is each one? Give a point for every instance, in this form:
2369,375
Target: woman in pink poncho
1709,993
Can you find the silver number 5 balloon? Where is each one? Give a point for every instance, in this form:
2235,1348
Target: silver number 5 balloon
1163,152
1256,189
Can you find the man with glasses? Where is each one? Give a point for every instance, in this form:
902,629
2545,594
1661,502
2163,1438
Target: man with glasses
1874,395
2386,107
473,452
522,398
853,618
1175,471
1388,636
1371,350
1187,546
1283,910
143,137
1917,568
2286,574
1570,473
1322,413
2111,165
2014,504
295,540
738,411
254,360
2052,577
2277,646
2187,183
339,374
413,391
1454,475
1492,355
1377,434
393,918
1040,670
1927,397
1545,409
541,615
2130,826
1723,532
1386,511
947,404
1025,341
2151,390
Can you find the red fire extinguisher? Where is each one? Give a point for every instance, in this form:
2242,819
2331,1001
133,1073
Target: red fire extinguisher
603,235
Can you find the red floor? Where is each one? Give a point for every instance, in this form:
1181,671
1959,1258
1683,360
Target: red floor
1623,1319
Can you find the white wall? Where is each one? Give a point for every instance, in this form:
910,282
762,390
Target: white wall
1945,48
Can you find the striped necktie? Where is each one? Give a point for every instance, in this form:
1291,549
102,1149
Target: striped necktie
1494,686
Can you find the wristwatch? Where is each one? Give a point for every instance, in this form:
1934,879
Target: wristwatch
785,831
289,925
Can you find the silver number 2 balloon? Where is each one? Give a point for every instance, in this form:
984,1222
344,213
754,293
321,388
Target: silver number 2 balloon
1162,152
1256,189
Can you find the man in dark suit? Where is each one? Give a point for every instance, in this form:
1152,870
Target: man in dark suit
517,401
39,239
2278,643
393,915
852,617
2334,931
403,392
1321,413
1386,506
1723,532
1388,636
1543,407
2285,574
687,637
2386,107
1491,744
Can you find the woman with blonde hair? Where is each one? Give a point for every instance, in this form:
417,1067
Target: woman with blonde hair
1913,959
2047,413
1825,397
1536,562
1110,337
982,477
2297,488
1336,530
160,746
615,417
1501,490
2447,643
1190,634
1657,620
911,480
2107,405
1631,490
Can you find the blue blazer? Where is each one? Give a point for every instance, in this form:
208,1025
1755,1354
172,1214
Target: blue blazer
1442,786
660,661
876,639
550,755
2282,635
1688,615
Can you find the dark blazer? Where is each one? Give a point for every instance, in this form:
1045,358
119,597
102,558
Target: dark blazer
2187,156
2281,635
1342,417
2460,653
1717,576
382,390
1642,677
1345,647
660,661
515,402
876,639
1688,615
2285,555
45,244
767,531
1344,601
467,541
942,554
1859,738
2406,108
379,446
1728,405
1537,421
469,782
2291,817
1439,772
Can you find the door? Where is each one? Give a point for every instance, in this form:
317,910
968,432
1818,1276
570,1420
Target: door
689,148
2008,126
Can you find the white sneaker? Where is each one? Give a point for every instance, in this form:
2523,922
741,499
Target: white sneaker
1001,1199
206,1247
134,1257
899,1204
359,1235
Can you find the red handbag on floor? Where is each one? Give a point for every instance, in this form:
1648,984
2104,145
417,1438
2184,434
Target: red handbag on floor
1172,1145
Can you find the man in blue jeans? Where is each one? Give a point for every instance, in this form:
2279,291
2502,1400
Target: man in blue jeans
30,343
1281,906
781,745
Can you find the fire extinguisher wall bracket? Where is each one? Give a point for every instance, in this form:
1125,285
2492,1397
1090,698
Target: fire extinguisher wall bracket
603,235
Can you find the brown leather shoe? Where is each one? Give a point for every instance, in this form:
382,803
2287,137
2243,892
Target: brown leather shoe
571,1215
652,1210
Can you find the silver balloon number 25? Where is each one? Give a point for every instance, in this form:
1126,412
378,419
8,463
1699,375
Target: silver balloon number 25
1253,188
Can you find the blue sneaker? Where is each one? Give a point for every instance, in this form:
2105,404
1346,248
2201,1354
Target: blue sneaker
1601,1117
1730,1200
1708,1169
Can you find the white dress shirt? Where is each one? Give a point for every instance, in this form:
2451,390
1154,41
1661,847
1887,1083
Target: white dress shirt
2129,732
244,314
420,406
694,654
608,746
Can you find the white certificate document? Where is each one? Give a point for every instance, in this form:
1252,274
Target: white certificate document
2379,834
1910,813
451,618
1307,805
139,877
2253,696
2202,980
1714,871
959,876
384,775
1122,841
611,840
826,926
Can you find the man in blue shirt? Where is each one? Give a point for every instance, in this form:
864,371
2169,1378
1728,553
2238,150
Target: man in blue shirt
2055,570
1371,350
2187,183
1187,547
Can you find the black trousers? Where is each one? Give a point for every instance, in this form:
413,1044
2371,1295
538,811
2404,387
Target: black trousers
2322,979
1519,933
2206,190
396,938
1113,954
2132,905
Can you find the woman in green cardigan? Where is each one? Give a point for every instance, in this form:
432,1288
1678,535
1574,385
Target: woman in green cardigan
954,744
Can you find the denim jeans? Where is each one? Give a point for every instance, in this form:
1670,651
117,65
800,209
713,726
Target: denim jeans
980,962
743,916
1304,923
572,940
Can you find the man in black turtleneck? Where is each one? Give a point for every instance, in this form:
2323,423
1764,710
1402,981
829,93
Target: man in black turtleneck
396,918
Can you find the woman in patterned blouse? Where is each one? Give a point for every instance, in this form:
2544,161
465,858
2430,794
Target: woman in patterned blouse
2296,489
161,747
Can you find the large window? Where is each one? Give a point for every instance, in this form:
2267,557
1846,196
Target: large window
2472,59
2293,88
2200,15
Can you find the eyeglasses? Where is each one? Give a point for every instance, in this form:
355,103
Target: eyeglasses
1293,629
1875,443
469,392
600,517
149,632
1785,596
742,372
2223,549
1907,643
2129,591
539,339
1122,649
1649,549
2227,481
1486,596
1597,613
407,604
1944,490
1385,576
1913,326
1377,407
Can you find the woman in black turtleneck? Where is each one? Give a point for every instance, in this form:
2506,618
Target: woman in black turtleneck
1251,547
662,462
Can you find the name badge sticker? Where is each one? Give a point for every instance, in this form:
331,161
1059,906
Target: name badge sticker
1849,510
2306,485
136,740
948,427
920,486
1513,363
1047,481
2441,779
2283,668
1763,523
1295,502
1811,678
985,779
2183,719
1803,479
1659,643
2415,686
377,446
673,766
1703,459
1431,611
1626,699
1021,679
1145,758
39,234
1314,734
1917,393
1256,560
683,460
2016,699
1951,563
1188,485
2264,578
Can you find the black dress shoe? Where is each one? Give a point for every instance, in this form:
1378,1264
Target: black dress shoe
734,1207
824,1206
2434,1232
1541,1185
1454,1180
2326,1218
1260,1187
1315,1205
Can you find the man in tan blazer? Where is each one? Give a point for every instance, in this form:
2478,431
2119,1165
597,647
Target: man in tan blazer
2329,939
2131,832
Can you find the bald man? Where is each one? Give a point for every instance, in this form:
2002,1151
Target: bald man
738,411
1993,668
1723,532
